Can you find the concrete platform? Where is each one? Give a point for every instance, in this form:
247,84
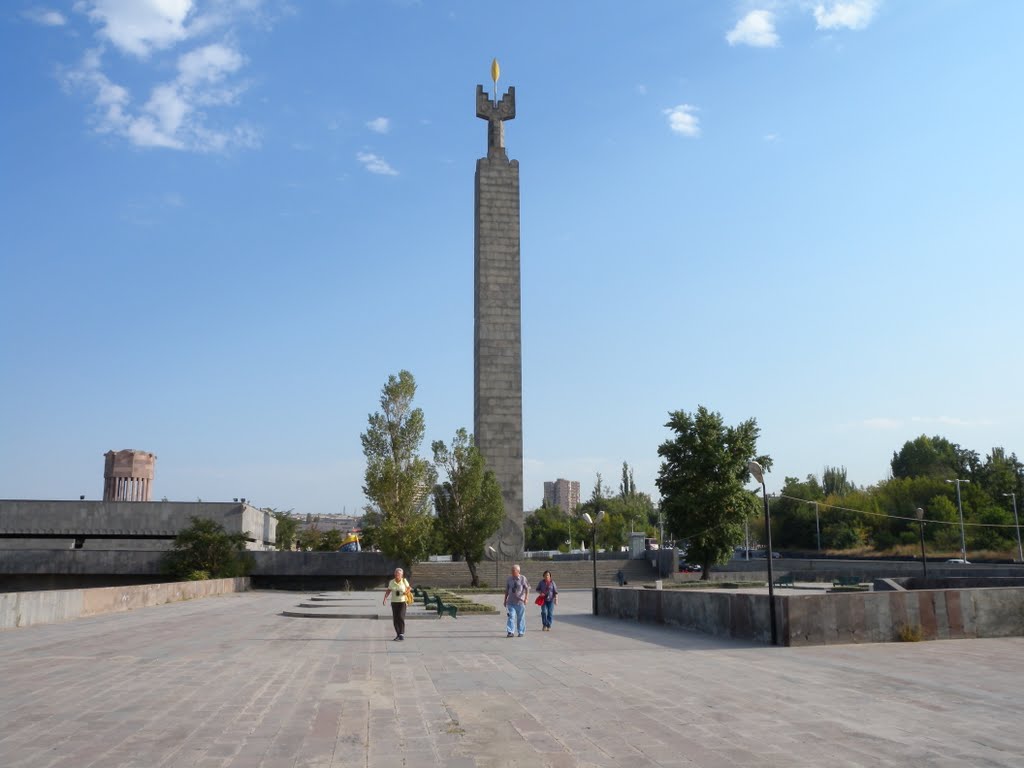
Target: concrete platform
229,681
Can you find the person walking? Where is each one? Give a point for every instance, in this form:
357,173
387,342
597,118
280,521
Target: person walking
516,590
547,599
398,590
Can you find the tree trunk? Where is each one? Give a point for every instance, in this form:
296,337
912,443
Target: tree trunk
705,571
475,580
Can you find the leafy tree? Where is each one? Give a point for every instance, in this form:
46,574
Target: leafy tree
369,532
793,522
547,528
205,546
469,504
702,479
286,528
932,457
308,539
398,480
330,541
993,538
627,487
834,482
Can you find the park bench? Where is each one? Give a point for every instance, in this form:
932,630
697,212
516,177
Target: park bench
435,602
846,581
785,581
418,593
443,608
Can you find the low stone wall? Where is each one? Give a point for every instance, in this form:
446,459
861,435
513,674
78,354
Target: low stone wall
826,619
23,609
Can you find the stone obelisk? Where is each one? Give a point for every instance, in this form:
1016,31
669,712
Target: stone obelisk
497,337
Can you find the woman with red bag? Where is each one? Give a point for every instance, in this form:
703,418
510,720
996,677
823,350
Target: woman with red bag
547,599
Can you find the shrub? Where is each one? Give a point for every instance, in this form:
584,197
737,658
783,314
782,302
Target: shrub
197,576
910,633
206,547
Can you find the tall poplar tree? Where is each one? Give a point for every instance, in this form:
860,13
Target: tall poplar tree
398,480
469,504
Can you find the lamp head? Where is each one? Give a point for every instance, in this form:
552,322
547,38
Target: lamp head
755,469
589,520
919,513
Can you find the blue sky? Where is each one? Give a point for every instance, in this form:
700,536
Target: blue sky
225,223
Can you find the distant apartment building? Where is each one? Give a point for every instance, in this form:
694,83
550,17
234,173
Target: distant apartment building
562,493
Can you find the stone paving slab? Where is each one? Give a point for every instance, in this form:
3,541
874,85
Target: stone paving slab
229,681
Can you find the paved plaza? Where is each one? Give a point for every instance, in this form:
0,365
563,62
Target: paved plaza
229,681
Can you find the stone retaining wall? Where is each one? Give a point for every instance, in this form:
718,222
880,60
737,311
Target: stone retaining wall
23,609
826,619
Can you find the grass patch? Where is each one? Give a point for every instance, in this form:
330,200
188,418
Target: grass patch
713,584
464,604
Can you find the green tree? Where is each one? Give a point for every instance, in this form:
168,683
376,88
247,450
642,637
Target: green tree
702,479
308,539
793,521
398,480
204,546
286,528
627,487
834,482
469,504
330,541
933,457
547,528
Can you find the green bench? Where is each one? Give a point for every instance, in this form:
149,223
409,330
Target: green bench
846,581
785,581
435,602
443,608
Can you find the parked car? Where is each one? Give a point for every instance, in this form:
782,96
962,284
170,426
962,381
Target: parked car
959,560
690,568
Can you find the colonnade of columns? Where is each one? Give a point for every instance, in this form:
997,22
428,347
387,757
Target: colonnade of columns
126,489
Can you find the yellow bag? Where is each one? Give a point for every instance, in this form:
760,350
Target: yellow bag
409,598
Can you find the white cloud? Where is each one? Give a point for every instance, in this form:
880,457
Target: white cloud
45,17
140,26
757,28
176,113
375,164
770,137
208,64
845,14
379,125
952,421
641,89
882,422
682,120
171,117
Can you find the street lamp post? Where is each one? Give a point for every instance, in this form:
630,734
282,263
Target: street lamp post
496,553
960,507
924,557
1016,523
592,522
755,469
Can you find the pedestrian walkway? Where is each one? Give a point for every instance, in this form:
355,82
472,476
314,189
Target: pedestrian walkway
230,681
